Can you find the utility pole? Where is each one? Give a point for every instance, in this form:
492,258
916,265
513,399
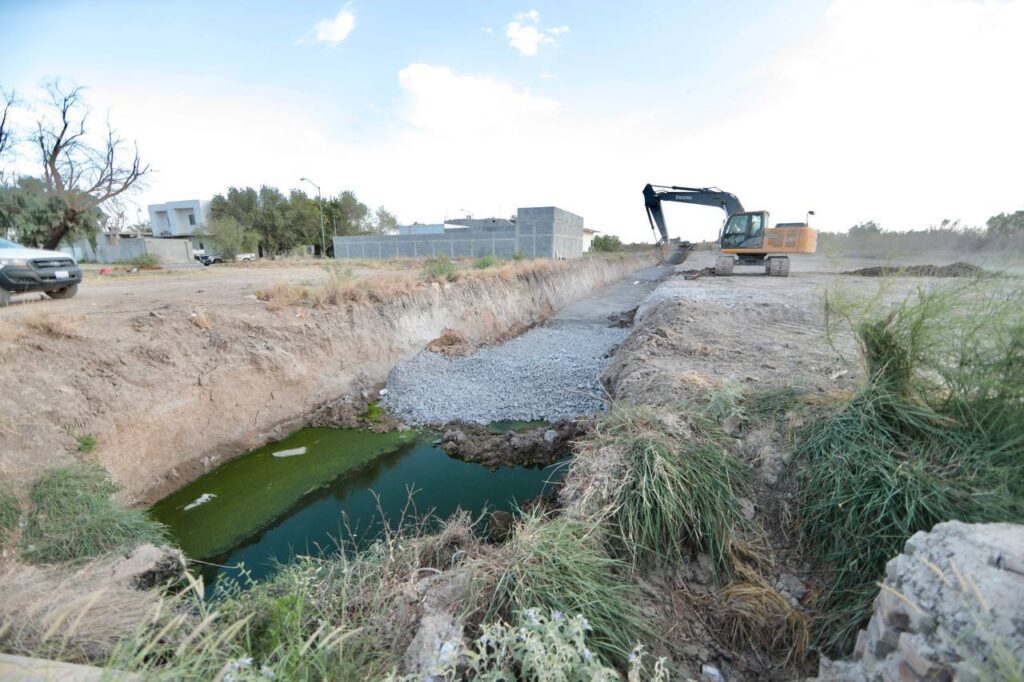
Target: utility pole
320,203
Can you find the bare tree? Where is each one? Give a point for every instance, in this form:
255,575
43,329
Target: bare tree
7,100
81,175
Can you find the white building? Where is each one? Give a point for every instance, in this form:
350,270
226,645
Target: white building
588,238
178,218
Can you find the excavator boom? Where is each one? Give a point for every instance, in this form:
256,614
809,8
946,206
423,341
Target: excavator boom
704,196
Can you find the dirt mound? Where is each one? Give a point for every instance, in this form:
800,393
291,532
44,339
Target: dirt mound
958,269
536,447
452,343
623,319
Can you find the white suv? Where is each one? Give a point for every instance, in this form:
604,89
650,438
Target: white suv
23,270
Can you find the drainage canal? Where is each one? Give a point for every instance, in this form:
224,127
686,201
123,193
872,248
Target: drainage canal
304,493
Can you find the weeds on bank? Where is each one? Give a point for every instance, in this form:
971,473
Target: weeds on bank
72,516
10,512
560,565
936,433
678,490
440,269
486,262
145,261
86,442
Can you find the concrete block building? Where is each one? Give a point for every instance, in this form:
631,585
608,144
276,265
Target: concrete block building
544,232
178,218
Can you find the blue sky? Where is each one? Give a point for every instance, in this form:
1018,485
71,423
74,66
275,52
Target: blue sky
859,109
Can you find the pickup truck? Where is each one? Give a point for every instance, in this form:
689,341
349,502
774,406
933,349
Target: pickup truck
207,259
24,270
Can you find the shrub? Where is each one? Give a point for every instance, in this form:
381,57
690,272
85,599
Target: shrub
440,269
606,243
936,434
559,565
486,262
230,237
72,517
145,261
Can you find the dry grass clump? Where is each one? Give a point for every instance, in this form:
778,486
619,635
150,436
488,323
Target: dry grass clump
9,331
755,616
75,616
201,320
282,294
53,326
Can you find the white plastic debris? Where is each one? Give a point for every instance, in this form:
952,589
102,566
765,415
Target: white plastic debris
711,673
202,499
292,452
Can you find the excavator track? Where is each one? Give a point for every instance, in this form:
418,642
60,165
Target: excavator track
777,266
724,266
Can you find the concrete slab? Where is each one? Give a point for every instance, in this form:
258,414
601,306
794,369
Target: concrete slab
623,295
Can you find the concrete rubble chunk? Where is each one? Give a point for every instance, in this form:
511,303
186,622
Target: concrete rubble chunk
947,602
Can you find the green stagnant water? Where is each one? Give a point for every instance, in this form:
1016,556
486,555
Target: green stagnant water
268,509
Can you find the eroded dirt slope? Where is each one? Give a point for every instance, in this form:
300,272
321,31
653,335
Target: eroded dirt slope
169,389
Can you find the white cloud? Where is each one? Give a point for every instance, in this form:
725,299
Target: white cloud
901,111
526,39
525,34
335,30
547,75
487,29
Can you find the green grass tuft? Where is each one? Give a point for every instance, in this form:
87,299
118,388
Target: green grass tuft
73,517
559,565
936,434
86,442
679,492
486,262
10,512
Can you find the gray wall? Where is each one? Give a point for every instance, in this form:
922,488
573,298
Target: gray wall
456,243
112,249
546,232
549,232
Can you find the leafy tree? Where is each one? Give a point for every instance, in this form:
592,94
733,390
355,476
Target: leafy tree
606,242
230,237
384,220
347,214
1006,223
7,101
865,229
33,214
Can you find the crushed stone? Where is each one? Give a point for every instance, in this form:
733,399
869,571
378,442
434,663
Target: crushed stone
548,373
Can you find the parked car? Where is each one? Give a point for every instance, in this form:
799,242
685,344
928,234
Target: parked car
24,270
245,257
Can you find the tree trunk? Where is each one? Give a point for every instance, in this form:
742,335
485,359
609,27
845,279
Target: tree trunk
67,222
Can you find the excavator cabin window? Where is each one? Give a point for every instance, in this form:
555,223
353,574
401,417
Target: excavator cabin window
743,231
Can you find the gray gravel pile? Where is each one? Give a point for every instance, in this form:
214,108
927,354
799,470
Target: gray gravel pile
548,373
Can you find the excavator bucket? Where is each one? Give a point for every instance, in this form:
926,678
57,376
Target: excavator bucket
675,253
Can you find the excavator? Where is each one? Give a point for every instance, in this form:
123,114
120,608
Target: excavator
746,238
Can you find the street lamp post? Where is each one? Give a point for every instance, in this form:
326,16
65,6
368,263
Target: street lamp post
319,201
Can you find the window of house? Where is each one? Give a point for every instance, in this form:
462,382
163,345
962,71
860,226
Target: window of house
191,218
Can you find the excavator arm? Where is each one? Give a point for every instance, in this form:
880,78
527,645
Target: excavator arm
704,196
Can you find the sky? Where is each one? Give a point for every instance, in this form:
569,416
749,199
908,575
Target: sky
905,112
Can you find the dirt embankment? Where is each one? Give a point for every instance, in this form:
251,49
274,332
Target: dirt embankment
166,394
